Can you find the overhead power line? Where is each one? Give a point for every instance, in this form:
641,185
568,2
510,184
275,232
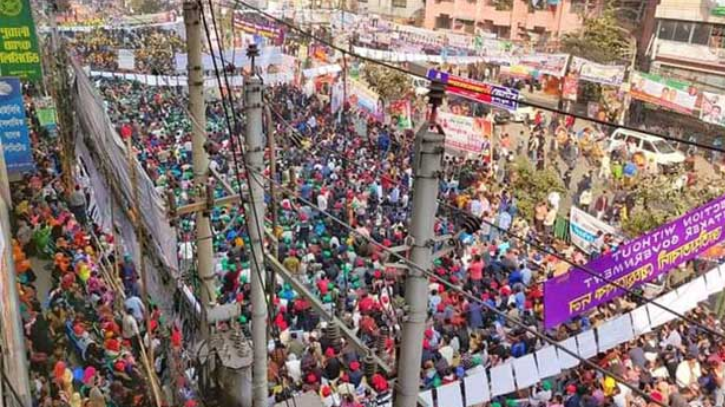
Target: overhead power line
323,41
528,241
471,297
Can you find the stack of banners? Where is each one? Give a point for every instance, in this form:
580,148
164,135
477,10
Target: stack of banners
126,59
269,31
467,134
713,108
173,25
675,95
634,263
19,54
545,64
337,97
174,81
585,70
364,98
321,70
395,56
494,95
401,114
14,127
237,57
585,228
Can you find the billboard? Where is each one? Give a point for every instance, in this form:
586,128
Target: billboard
672,94
634,263
494,95
713,108
464,133
14,127
19,55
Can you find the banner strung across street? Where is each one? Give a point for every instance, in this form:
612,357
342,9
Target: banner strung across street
546,64
14,127
498,96
676,95
713,107
634,263
463,133
19,55
584,227
612,75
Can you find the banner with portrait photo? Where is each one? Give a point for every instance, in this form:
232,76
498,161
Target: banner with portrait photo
713,108
467,134
400,114
675,95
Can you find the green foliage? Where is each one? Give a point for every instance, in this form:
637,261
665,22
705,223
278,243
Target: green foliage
531,186
146,6
601,39
390,85
658,203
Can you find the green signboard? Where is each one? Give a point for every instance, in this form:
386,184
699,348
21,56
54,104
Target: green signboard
19,55
46,116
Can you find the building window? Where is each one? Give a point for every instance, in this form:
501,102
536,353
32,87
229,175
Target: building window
683,31
666,30
443,21
400,3
701,34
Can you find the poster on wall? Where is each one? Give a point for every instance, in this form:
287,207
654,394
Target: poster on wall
570,88
612,75
675,95
713,108
14,127
468,134
634,263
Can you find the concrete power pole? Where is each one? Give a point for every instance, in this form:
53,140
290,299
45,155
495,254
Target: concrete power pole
427,159
200,159
255,167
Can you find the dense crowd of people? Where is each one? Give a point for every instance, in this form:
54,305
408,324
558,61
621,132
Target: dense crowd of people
84,353
84,322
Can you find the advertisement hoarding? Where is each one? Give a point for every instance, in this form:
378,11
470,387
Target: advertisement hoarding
19,55
672,94
14,127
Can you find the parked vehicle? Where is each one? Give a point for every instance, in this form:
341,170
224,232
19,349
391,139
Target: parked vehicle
664,154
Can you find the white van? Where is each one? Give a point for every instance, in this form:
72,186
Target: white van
664,154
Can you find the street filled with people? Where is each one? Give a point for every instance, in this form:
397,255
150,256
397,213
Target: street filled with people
344,191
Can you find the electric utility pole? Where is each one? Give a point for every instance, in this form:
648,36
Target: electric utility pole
254,159
427,159
200,159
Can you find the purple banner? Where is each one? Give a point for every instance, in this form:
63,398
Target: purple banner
634,263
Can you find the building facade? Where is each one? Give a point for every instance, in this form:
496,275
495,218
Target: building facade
687,42
509,19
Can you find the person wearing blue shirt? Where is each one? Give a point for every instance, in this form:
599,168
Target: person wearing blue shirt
526,275
515,277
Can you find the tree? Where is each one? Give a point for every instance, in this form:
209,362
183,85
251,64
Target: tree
389,84
657,203
600,39
141,7
531,186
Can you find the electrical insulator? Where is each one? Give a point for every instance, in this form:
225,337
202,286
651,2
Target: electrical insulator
369,366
